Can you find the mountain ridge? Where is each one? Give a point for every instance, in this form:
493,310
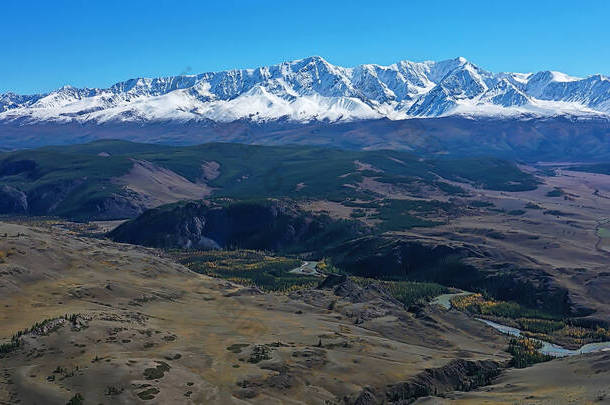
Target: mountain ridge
564,138
312,89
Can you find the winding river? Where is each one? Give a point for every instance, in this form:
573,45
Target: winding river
550,348
547,348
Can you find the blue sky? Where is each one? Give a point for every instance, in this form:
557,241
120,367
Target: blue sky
46,44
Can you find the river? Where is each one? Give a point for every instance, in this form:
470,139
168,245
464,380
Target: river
548,348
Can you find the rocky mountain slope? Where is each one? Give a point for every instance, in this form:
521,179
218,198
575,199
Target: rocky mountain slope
313,89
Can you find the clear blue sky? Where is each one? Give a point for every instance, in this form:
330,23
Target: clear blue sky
46,44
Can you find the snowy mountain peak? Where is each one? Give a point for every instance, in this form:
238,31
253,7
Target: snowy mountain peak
312,89
505,94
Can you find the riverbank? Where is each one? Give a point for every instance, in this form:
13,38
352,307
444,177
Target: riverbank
547,348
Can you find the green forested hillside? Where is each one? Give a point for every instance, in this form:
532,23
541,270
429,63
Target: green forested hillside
79,181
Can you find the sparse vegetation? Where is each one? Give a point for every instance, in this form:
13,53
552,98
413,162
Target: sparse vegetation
358,213
154,373
259,353
77,399
114,390
480,204
237,347
12,345
42,328
556,192
558,213
148,393
450,188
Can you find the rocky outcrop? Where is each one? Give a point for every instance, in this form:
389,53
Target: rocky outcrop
53,199
457,375
359,303
112,207
343,287
333,280
12,200
267,224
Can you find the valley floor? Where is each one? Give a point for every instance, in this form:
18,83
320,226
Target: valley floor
128,325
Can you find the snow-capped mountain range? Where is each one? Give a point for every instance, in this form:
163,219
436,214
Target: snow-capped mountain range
312,89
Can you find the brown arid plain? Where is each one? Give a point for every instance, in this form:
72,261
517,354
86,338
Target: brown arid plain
113,323
142,328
